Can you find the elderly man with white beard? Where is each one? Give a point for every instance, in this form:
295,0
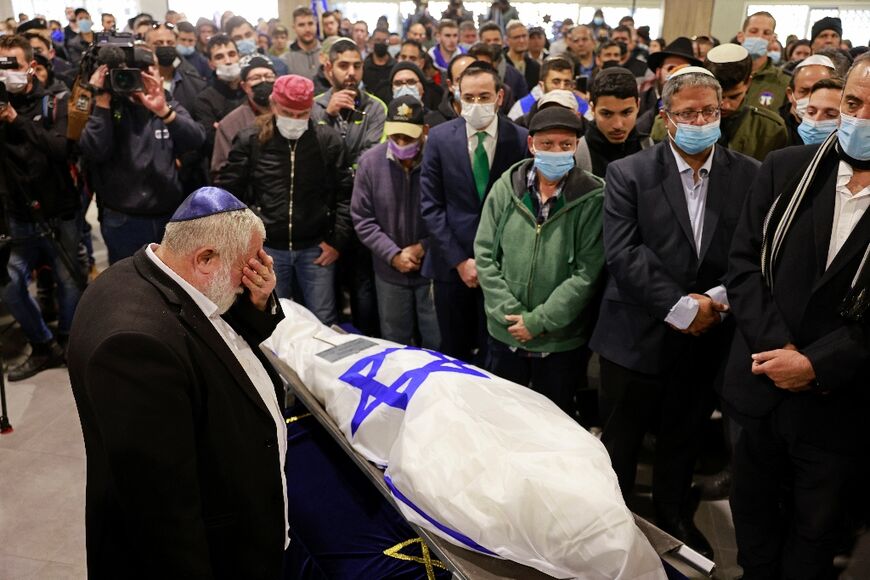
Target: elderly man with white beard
181,414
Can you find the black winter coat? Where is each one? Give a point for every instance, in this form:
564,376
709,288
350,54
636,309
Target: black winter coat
300,189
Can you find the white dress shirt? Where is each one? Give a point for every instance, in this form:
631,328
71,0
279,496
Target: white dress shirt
246,357
684,311
848,210
489,141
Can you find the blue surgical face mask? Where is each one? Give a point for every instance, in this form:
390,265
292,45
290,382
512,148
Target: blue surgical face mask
696,138
246,47
598,21
756,46
185,50
854,137
775,56
813,132
407,90
85,25
554,165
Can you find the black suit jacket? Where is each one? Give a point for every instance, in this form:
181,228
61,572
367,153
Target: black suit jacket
651,255
183,473
802,309
449,202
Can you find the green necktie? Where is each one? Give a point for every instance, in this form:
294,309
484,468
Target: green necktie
480,166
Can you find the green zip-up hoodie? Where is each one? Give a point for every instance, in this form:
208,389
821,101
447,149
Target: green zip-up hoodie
550,274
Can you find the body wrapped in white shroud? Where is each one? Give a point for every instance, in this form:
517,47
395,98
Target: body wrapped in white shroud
482,462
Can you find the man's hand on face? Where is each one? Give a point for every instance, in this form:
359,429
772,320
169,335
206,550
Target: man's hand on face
259,278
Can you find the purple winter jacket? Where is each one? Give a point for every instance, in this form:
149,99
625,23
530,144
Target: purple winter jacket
385,208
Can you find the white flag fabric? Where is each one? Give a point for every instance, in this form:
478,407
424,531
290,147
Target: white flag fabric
482,462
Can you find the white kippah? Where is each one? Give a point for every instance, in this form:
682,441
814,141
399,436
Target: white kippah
816,59
726,53
690,69
559,97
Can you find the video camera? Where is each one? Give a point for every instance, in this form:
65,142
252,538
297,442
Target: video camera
124,60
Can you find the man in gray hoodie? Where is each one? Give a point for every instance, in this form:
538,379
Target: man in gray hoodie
303,58
385,208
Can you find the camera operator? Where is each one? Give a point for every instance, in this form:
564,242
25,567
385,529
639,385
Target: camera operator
41,202
130,144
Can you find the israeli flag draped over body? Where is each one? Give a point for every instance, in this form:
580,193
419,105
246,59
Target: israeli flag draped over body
482,462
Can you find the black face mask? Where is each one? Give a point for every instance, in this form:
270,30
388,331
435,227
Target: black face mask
380,49
261,93
166,55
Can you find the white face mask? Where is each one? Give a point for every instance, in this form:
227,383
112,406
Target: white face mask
291,129
229,72
800,106
478,115
16,81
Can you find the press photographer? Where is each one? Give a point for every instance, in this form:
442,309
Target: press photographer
130,144
43,207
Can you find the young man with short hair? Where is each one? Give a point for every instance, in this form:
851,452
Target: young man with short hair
463,158
769,83
746,128
245,37
303,58
447,46
224,93
378,64
612,134
186,47
556,74
280,41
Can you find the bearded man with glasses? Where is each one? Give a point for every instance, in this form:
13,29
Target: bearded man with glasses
664,328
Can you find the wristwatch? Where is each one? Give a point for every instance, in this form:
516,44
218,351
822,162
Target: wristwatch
167,115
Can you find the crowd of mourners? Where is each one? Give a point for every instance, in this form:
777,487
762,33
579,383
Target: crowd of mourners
511,196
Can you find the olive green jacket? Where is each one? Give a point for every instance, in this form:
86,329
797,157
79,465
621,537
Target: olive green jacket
753,131
550,273
767,89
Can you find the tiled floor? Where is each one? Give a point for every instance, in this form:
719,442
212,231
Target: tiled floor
42,469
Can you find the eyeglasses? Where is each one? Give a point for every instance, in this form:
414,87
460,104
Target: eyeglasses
167,25
410,82
257,79
688,116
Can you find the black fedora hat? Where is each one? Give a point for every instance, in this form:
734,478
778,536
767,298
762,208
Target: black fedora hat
681,47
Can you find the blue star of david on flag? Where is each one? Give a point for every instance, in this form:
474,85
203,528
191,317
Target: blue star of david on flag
374,393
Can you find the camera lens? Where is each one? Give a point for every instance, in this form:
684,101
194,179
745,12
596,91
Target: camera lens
126,80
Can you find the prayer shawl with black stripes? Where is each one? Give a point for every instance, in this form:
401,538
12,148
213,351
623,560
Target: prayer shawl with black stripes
777,223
